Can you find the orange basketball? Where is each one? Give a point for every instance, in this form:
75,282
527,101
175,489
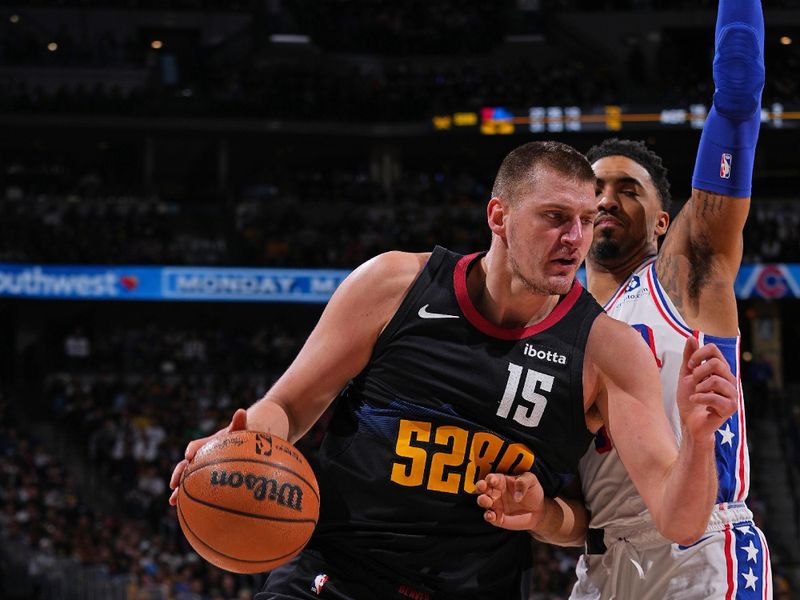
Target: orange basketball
248,502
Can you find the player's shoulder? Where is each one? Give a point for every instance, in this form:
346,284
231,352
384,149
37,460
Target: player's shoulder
607,327
396,260
396,265
612,342
390,273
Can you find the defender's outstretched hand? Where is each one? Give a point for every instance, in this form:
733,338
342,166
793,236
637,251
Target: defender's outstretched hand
708,392
238,423
512,502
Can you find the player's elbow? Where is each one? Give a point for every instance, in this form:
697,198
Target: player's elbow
682,532
691,537
682,524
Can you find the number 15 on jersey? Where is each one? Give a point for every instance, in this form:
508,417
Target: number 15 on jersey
529,409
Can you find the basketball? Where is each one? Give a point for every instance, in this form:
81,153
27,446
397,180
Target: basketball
248,502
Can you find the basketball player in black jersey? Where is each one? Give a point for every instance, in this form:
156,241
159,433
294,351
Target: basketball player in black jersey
448,368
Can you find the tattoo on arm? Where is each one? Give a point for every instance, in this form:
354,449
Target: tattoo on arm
668,277
688,246
706,205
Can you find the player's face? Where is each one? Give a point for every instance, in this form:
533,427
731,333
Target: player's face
549,231
629,218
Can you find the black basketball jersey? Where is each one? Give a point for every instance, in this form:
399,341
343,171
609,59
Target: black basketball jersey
446,398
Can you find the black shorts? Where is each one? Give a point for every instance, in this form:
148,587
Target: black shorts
310,577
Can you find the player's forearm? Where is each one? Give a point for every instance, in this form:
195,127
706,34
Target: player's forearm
564,523
726,154
689,492
723,173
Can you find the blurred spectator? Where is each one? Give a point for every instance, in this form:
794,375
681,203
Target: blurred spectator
305,219
77,346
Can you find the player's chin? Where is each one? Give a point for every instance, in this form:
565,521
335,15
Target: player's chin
604,248
561,283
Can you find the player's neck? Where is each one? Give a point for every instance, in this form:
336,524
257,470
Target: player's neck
603,277
504,301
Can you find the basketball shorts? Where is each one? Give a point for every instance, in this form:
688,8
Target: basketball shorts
309,577
730,561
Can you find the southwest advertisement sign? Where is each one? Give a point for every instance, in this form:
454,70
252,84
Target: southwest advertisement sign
76,282
220,284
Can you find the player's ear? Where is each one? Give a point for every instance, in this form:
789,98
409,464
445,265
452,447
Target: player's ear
496,216
662,222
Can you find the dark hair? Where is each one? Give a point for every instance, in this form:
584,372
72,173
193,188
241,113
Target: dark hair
523,165
641,154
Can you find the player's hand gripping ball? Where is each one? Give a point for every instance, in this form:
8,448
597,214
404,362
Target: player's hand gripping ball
248,502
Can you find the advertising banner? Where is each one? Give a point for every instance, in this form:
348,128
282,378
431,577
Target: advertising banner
228,284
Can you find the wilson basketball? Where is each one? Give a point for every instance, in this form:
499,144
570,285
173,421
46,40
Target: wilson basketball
248,502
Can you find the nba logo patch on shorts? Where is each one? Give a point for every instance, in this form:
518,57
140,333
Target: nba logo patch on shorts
319,582
725,166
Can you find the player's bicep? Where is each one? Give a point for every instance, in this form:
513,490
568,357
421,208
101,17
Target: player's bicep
341,344
629,401
708,232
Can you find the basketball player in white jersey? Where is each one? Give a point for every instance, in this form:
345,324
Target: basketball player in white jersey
685,289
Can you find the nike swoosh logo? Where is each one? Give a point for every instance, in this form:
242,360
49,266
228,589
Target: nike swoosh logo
424,314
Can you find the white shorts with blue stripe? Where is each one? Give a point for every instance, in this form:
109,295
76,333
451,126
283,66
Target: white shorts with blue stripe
730,562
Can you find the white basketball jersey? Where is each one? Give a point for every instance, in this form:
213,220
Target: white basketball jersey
610,495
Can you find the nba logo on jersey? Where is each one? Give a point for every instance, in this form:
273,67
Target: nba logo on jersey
725,166
319,581
634,283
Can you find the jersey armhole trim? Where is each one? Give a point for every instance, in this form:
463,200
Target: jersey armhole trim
424,278
664,304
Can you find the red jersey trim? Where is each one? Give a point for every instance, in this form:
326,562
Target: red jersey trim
506,333
729,554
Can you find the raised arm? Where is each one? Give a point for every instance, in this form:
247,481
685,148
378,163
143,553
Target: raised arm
336,351
703,249
678,485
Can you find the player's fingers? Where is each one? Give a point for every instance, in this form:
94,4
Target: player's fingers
173,498
495,481
717,384
713,366
688,350
193,446
523,483
238,421
705,352
176,474
491,517
485,501
719,405
484,486
709,366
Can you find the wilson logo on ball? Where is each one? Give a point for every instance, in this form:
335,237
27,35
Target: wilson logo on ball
288,494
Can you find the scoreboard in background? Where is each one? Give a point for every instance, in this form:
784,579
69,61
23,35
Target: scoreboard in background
496,120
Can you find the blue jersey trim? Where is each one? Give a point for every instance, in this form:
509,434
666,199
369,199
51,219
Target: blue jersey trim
665,302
